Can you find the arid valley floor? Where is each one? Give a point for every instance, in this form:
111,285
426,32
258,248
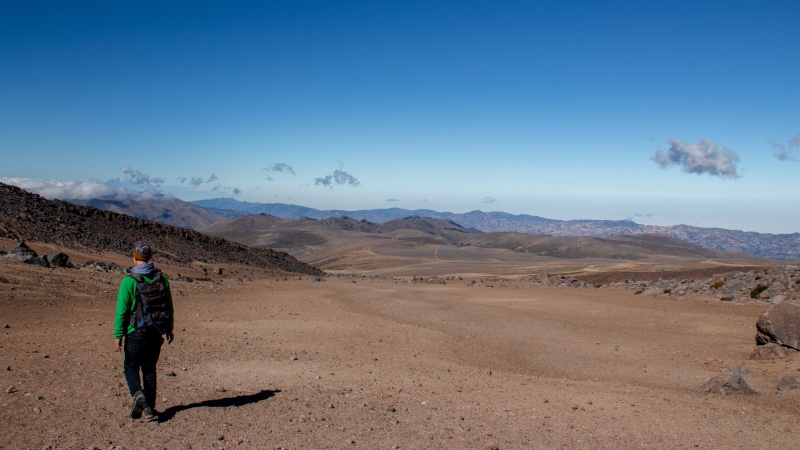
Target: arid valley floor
263,360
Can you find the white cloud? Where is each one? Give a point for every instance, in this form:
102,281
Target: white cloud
784,151
278,167
77,190
702,157
338,177
137,177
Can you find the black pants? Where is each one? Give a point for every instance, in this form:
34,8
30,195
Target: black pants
142,350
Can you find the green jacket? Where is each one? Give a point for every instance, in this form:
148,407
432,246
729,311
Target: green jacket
126,307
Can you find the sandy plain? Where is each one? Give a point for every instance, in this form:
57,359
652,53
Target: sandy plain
263,360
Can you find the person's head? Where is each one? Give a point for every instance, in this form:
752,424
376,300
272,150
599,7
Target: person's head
142,252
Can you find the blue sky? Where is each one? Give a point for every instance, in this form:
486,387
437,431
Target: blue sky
679,112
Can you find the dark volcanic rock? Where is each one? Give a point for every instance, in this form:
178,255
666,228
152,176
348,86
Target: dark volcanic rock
24,253
780,324
58,260
31,217
729,381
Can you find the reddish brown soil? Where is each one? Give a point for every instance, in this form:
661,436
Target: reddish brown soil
263,361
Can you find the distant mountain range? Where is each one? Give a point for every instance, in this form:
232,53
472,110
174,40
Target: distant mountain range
163,209
201,214
327,241
775,246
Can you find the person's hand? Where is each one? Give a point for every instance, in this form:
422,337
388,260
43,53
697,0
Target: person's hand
118,345
170,337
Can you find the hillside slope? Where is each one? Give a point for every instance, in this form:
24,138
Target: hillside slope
767,245
426,246
164,209
30,217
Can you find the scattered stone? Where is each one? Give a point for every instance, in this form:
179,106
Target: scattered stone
780,324
58,260
789,383
170,373
769,351
741,370
729,381
11,389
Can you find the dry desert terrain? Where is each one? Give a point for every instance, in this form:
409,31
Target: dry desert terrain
264,360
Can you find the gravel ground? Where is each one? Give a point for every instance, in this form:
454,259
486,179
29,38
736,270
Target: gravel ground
266,361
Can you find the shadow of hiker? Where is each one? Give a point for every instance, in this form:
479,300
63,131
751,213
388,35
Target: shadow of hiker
239,400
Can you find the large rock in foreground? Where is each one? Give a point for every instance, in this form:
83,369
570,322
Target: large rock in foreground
780,324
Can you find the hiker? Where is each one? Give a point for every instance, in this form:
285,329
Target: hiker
144,315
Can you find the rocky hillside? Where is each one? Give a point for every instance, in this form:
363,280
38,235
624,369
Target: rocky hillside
30,217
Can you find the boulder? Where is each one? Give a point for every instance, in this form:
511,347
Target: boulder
24,253
789,383
729,381
769,351
780,324
58,260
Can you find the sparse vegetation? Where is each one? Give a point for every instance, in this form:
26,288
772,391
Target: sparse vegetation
757,291
717,285
639,291
667,291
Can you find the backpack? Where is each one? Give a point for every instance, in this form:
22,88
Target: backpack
152,303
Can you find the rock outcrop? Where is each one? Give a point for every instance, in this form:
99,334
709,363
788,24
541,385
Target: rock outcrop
780,324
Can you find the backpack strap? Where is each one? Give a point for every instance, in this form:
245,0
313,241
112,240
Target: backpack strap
139,313
136,276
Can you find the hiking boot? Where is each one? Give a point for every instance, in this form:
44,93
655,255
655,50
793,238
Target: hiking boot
150,414
139,404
